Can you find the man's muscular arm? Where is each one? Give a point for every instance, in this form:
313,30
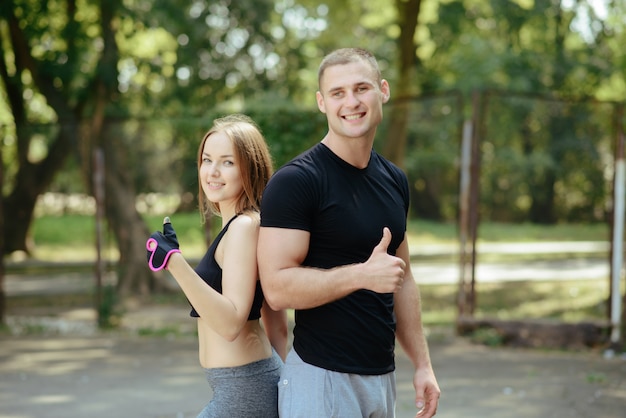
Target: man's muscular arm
287,284
410,335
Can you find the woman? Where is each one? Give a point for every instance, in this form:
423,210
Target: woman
234,165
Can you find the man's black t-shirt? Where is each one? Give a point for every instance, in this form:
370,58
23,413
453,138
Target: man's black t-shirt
345,210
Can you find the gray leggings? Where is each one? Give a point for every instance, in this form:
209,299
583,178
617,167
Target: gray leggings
245,391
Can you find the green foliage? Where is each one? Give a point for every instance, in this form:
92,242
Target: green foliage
164,168
209,54
288,130
205,59
173,67
530,46
431,158
544,160
487,336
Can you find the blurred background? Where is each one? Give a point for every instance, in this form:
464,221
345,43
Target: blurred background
504,114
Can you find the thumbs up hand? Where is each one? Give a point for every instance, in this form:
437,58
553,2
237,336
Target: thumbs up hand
161,245
384,273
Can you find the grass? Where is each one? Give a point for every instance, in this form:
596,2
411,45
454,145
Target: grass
566,301
498,232
72,237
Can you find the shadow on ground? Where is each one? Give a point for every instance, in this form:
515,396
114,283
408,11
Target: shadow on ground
62,367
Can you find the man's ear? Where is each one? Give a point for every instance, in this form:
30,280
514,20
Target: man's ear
320,102
385,90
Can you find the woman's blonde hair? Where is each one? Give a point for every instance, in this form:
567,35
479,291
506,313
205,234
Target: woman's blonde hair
253,159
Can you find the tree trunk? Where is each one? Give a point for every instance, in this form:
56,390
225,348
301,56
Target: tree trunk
131,232
395,141
134,277
31,181
3,297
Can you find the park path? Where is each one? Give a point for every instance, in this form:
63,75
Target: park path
76,374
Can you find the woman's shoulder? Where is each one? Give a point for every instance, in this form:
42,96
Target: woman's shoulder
242,229
247,220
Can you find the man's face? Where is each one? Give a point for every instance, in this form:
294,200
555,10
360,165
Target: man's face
352,99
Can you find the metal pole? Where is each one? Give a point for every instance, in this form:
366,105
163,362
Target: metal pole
618,240
479,100
464,204
98,186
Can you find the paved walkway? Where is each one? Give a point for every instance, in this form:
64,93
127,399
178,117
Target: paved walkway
580,260
120,374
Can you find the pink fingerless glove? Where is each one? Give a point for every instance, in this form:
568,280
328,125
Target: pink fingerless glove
161,245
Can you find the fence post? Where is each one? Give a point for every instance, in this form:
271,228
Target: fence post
618,231
468,222
464,210
98,187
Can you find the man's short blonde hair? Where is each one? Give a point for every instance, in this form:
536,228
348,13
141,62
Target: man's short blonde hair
345,56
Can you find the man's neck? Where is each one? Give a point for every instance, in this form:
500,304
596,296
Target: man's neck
354,151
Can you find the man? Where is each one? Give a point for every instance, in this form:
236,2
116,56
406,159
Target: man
333,246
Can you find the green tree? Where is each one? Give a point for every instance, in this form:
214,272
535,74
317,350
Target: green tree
522,47
83,66
409,65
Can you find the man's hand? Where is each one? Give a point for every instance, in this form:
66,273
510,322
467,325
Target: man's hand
386,272
161,245
427,393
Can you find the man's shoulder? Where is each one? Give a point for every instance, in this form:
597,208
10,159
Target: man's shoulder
309,154
386,163
306,161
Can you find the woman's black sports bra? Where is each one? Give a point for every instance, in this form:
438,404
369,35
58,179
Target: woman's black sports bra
211,273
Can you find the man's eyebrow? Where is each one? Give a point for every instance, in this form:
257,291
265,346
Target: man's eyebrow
333,89
358,84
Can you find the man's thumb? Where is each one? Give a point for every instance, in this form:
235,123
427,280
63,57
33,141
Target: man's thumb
385,240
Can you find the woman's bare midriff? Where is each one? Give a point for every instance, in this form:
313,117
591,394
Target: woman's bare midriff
250,345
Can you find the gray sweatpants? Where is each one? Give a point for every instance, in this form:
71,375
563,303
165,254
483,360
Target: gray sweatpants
306,391
248,391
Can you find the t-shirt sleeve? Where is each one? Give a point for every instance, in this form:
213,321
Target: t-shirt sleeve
403,185
404,181
288,200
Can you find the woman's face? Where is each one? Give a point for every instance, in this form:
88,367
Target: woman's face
220,174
